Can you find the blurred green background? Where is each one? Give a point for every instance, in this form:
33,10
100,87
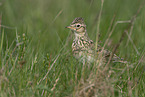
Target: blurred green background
43,22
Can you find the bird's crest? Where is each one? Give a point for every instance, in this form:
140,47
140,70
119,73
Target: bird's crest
78,20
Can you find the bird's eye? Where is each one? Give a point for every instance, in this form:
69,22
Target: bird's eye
78,25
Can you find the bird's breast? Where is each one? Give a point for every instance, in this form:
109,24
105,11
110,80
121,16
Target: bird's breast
81,50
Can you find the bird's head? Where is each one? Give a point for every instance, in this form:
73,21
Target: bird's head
78,26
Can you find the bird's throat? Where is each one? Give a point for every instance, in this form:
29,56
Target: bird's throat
79,35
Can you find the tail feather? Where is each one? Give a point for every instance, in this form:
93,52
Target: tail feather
118,59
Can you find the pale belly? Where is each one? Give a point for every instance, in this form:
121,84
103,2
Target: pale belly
84,56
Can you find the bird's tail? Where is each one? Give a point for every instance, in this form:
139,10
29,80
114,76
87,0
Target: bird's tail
118,59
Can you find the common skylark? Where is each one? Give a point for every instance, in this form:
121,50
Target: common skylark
83,48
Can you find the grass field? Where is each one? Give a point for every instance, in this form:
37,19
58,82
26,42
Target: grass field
35,48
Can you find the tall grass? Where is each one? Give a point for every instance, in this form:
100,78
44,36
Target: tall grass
35,48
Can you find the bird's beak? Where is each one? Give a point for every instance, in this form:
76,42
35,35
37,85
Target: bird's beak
70,27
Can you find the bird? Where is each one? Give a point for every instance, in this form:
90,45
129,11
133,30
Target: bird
83,48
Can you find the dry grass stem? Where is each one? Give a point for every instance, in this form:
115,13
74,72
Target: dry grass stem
0,21
130,26
55,84
132,43
98,25
56,81
134,18
57,15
